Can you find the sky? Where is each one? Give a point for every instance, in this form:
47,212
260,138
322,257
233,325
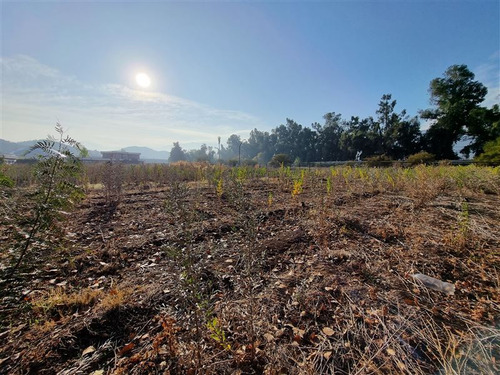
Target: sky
226,67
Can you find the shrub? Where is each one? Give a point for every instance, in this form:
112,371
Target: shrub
491,154
280,159
421,158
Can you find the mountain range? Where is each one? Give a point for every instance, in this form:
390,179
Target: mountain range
20,149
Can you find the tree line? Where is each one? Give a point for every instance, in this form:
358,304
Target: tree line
456,114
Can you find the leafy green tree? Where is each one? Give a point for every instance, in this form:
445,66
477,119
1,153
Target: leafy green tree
306,147
288,138
361,136
405,138
204,153
386,115
484,126
400,135
177,153
294,140
261,146
455,96
234,144
328,137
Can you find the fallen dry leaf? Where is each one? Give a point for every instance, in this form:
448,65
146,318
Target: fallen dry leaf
126,348
328,331
88,350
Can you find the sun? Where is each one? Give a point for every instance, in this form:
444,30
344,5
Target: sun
143,80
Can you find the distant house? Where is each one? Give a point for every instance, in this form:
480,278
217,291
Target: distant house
121,156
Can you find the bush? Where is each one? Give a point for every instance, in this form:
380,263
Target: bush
421,158
379,161
280,159
491,154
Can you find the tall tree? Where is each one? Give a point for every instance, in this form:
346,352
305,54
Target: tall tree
387,118
455,97
177,153
484,127
399,135
307,146
204,153
328,137
361,136
233,144
288,138
261,145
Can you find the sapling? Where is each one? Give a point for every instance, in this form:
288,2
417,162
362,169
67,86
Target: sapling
56,174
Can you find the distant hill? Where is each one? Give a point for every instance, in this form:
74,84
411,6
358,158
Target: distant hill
15,148
20,148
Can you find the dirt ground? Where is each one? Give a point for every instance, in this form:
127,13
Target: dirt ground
190,279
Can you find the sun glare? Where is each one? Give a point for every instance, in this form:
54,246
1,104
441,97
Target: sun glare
143,80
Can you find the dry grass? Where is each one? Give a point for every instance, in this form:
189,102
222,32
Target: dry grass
59,303
315,282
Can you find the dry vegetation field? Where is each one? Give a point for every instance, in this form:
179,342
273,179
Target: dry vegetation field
200,269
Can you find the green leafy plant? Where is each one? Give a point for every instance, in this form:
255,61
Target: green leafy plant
329,185
5,181
220,187
56,177
491,154
217,333
298,184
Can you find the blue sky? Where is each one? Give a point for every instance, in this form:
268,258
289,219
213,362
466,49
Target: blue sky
219,68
